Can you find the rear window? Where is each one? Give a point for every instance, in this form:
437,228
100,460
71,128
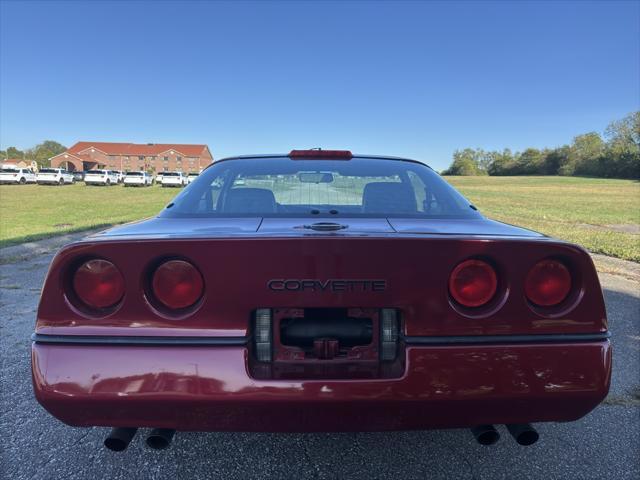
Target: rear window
134,174
49,170
95,172
10,170
281,187
170,174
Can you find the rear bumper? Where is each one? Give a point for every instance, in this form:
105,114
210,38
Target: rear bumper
208,388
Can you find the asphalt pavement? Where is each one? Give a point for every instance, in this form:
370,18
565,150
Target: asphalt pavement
34,445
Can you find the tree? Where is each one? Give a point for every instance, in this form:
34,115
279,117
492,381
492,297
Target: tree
42,152
13,152
529,162
555,160
502,163
587,150
625,132
465,162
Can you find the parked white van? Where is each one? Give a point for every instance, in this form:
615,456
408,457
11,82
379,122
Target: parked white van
173,179
101,177
54,176
137,179
17,175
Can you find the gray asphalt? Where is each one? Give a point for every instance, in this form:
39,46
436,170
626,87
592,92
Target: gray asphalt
604,444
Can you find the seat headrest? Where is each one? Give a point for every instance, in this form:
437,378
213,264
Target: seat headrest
250,200
388,197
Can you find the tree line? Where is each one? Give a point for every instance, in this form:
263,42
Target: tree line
615,155
41,153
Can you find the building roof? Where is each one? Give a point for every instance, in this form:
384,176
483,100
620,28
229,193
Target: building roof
138,148
14,161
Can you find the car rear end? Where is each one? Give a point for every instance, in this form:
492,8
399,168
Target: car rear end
49,176
135,179
172,179
96,177
10,176
249,320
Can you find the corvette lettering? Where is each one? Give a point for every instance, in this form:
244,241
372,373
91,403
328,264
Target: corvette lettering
331,285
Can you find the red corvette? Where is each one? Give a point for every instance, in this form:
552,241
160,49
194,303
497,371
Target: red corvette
320,291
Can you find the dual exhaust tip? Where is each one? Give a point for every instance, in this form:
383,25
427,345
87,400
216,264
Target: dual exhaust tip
523,433
160,438
119,438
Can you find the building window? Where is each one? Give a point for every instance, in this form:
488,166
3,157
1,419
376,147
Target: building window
179,159
141,158
166,159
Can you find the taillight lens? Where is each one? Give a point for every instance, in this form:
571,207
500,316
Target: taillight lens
177,284
548,283
98,284
473,283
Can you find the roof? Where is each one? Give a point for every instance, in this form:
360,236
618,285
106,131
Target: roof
15,160
109,148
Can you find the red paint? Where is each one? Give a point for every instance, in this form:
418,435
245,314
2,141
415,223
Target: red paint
224,388
197,388
236,272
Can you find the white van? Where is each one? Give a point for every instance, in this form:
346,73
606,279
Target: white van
137,179
101,177
17,175
173,179
54,176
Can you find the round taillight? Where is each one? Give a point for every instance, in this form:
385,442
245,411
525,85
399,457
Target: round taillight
473,283
98,284
177,284
548,283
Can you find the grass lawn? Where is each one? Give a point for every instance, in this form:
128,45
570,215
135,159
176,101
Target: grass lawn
30,212
602,215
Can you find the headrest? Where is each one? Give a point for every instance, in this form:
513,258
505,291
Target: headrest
388,197
250,200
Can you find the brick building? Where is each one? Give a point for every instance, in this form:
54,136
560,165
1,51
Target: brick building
151,157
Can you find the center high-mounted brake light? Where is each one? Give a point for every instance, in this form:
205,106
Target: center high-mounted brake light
321,154
473,283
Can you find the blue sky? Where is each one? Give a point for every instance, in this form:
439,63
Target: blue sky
416,79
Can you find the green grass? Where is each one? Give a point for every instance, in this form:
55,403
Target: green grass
599,214
32,212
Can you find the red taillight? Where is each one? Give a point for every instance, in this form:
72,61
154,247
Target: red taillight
177,284
548,283
473,283
98,284
321,154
